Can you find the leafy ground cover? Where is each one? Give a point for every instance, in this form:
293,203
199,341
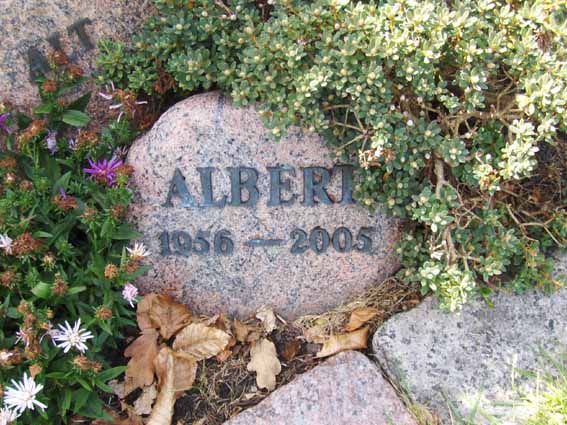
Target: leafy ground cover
65,257
453,111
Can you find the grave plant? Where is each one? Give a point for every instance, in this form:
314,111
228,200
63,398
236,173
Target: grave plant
65,258
453,111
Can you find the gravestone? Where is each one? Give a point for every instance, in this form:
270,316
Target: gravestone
30,28
235,221
476,361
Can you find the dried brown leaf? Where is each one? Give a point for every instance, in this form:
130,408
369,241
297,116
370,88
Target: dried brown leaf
268,318
291,348
223,355
140,370
316,334
199,341
351,341
162,412
359,317
143,312
185,370
143,405
168,315
264,361
241,330
117,388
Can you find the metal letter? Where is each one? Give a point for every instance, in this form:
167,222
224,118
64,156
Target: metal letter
312,188
38,63
237,183
79,28
207,186
277,185
347,172
177,187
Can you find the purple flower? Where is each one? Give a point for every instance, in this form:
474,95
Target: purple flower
104,170
3,118
62,193
51,140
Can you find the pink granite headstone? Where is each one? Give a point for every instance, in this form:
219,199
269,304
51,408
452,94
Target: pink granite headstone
236,221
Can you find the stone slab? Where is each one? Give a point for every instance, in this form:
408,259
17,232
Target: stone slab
263,267
475,358
26,26
347,389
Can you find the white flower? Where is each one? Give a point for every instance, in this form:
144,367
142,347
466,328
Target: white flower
25,336
130,293
22,395
7,416
50,332
72,337
138,252
5,355
6,243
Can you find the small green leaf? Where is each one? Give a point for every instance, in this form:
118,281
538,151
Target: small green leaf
76,118
109,374
81,395
44,108
42,290
61,182
76,290
125,232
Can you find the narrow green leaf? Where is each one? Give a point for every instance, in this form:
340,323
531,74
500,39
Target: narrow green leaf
76,118
109,374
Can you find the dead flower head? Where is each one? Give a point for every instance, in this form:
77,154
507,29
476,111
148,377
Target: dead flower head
60,287
110,271
59,58
65,202
49,86
103,313
26,244
83,363
8,278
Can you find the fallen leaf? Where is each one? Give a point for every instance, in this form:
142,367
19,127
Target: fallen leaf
264,361
268,318
253,336
352,341
316,334
241,330
359,317
185,370
117,388
140,370
223,323
143,311
162,412
223,355
143,405
199,341
168,315
291,348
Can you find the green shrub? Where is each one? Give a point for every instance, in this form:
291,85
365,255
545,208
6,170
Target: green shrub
63,256
453,110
